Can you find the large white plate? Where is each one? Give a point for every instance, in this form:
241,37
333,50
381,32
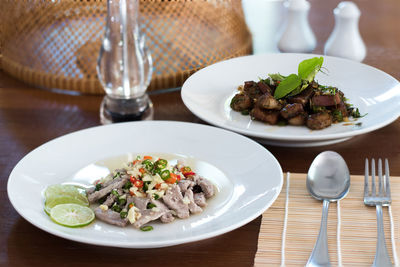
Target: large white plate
247,176
208,92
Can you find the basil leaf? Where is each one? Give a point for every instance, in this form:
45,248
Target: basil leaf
286,86
277,77
308,68
299,89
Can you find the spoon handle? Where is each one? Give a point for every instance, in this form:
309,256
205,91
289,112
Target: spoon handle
320,255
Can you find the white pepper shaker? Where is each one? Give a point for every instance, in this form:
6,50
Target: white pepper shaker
345,40
297,36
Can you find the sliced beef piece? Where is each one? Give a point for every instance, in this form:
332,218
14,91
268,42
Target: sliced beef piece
174,200
185,185
92,189
269,116
264,88
326,100
342,109
292,110
319,121
248,84
167,217
117,183
110,216
200,199
241,102
303,97
193,207
110,200
298,120
267,101
206,186
140,202
253,92
147,216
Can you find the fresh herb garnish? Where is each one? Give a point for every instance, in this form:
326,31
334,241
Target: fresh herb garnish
295,83
356,113
277,77
156,196
309,68
287,85
337,115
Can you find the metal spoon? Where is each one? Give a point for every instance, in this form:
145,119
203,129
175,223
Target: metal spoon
328,179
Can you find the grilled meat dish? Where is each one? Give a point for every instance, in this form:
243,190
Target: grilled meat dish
316,106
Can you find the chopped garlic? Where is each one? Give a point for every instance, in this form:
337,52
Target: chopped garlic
103,207
135,192
186,200
133,214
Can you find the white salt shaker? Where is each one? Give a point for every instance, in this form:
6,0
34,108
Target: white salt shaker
297,36
345,40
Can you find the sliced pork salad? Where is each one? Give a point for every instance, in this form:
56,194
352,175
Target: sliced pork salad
149,189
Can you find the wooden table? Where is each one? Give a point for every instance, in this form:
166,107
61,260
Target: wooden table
29,117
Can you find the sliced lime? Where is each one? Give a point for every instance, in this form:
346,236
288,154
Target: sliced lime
72,215
63,199
63,194
57,190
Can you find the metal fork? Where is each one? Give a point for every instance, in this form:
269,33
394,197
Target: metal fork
382,199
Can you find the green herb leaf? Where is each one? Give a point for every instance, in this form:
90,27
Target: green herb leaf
309,68
277,77
286,86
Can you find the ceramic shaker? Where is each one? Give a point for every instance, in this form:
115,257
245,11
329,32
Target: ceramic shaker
345,40
297,35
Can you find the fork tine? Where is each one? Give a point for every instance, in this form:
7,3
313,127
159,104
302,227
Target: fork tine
387,188
380,177
366,178
373,190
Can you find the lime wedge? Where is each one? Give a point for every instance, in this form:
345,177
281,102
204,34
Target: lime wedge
72,215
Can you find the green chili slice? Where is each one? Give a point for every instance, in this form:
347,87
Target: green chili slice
123,214
127,185
121,201
156,196
161,164
186,169
115,193
148,164
116,208
165,174
146,228
98,187
150,206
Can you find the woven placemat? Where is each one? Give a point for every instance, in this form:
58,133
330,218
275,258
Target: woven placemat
357,223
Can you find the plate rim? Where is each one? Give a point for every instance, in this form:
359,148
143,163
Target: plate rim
267,136
158,243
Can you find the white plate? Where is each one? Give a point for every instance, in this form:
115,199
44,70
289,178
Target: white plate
208,92
247,176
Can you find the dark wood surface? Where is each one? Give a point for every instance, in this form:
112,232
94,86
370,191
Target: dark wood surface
29,117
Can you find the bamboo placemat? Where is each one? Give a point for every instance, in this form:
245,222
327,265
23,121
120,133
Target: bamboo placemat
358,226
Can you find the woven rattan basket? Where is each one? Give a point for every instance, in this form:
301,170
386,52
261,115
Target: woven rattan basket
55,43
